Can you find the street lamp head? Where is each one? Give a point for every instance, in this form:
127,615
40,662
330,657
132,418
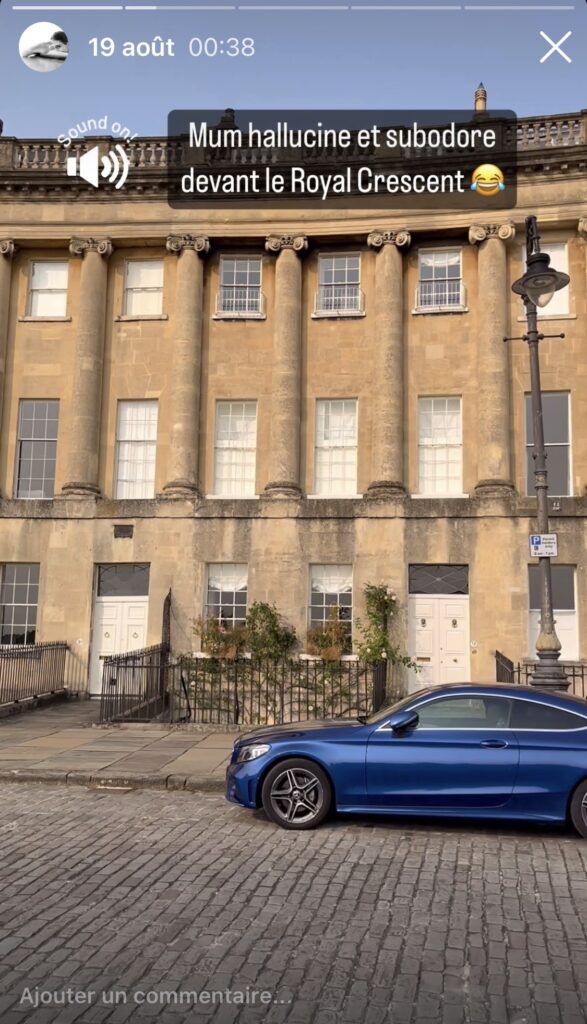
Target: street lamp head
540,281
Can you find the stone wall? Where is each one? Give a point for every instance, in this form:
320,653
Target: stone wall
188,360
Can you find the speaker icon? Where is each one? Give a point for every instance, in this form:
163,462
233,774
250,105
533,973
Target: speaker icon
114,166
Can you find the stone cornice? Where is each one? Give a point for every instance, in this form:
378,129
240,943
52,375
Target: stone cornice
478,506
81,246
8,248
179,243
377,239
277,243
481,232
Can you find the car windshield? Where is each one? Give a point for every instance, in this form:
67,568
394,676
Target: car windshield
378,716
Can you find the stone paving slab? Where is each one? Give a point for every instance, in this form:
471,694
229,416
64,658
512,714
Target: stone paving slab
59,749
62,740
31,754
85,763
199,759
221,740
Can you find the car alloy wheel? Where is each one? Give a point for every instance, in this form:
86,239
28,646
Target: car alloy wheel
578,809
297,794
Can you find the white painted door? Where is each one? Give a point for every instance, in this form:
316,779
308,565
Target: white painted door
438,632
454,640
120,624
566,629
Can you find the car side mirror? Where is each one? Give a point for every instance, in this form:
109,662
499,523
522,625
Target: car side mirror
404,720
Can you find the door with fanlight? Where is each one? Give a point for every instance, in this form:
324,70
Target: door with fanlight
438,624
121,609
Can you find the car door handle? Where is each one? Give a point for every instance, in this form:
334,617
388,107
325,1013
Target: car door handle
493,743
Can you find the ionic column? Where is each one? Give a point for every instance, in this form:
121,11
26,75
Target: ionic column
388,400
493,406
8,248
84,439
184,444
284,457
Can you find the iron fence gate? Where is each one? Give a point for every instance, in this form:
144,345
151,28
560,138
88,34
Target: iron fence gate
134,685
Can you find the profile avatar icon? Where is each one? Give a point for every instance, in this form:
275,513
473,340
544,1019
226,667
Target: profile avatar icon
43,46
487,180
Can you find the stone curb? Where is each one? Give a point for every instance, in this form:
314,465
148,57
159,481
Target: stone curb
190,783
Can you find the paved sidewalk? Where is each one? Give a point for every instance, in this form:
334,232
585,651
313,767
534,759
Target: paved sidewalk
63,743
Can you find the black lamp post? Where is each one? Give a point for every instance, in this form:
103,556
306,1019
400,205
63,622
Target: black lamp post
537,288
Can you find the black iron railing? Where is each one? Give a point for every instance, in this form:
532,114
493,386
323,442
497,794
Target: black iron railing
31,670
243,691
576,673
520,673
134,685
504,669
144,685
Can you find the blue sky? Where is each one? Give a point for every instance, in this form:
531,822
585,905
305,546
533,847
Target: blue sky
303,59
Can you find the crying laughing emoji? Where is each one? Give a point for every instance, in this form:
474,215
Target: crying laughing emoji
487,180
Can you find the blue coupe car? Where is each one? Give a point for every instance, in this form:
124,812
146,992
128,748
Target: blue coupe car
509,752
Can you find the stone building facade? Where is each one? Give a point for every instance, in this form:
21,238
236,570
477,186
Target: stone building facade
284,406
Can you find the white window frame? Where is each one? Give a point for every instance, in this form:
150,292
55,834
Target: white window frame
48,479
47,291
245,486
458,491
20,604
529,490
148,289
144,445
459,306
321,447
559,305
251,311
227,569
347,303
559,613
341,568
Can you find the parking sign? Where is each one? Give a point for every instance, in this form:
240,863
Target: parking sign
543,545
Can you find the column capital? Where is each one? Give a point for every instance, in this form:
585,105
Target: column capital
377,239
8,248
481,232
81,246
581,227
179,243
277,243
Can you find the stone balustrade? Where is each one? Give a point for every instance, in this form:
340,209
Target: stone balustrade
158,153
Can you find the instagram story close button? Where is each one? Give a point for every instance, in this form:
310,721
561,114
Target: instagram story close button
43,46
556,47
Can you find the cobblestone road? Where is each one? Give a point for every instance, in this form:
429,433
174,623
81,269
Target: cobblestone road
114,895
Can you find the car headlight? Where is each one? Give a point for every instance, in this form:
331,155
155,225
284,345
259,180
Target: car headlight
250,753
